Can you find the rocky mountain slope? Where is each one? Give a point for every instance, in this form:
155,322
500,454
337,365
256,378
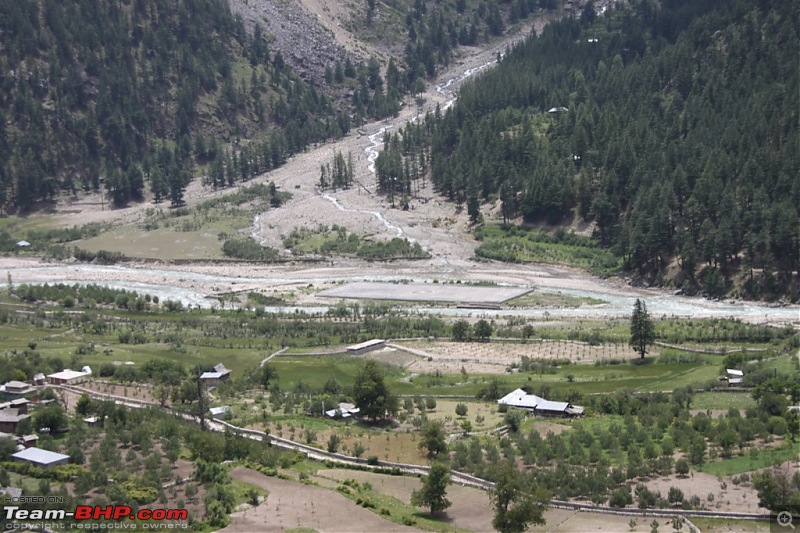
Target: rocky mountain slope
305,44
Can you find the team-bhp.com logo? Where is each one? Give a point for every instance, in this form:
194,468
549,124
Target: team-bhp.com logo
119,513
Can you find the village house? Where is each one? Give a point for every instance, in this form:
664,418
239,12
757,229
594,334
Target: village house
20,404
345,410
223,412
539,406
41,458
70,377
366,346
734,377
17,387
219,375
10,417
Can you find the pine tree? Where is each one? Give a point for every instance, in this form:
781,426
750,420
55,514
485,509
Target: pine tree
642,329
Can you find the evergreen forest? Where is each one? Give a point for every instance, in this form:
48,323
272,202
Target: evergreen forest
671,126
124,94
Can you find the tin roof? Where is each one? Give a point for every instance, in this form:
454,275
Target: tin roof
39,456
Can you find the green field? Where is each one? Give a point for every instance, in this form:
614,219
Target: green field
164,243
514,244
748,463
723,400
315,371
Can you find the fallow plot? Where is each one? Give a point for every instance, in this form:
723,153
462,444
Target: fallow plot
426,292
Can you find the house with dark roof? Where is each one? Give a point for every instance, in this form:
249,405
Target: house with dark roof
18,387
9,418
212,379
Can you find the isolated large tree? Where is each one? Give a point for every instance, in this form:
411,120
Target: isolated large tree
433,438
434,489
371,394
516,503
642,329
777,491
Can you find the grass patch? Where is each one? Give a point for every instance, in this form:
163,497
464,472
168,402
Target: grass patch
723,400
391,508
519,245
551,299
725,524
243,492
336,241
164,242
316,371
748,463
188,233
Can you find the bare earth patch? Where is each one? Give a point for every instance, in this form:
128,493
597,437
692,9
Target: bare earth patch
292,505
470,507
494,358
735,498
428,292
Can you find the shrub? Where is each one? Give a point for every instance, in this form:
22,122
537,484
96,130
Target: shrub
620,497
249,250
675,496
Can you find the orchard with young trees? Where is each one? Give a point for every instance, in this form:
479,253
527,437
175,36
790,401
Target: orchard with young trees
599,461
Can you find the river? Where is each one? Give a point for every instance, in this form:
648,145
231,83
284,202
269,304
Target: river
197,289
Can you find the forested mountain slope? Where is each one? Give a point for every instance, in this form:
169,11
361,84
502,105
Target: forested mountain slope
89,88
673,126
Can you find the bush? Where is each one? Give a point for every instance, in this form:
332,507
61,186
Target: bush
620,497
249,250
777,425
675,496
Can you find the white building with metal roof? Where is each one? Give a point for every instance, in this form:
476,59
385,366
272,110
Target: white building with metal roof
539,406
41,458
67,376
365,346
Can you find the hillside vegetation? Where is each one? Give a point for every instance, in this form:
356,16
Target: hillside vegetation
88,88
670,126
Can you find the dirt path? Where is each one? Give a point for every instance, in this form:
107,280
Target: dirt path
294,505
